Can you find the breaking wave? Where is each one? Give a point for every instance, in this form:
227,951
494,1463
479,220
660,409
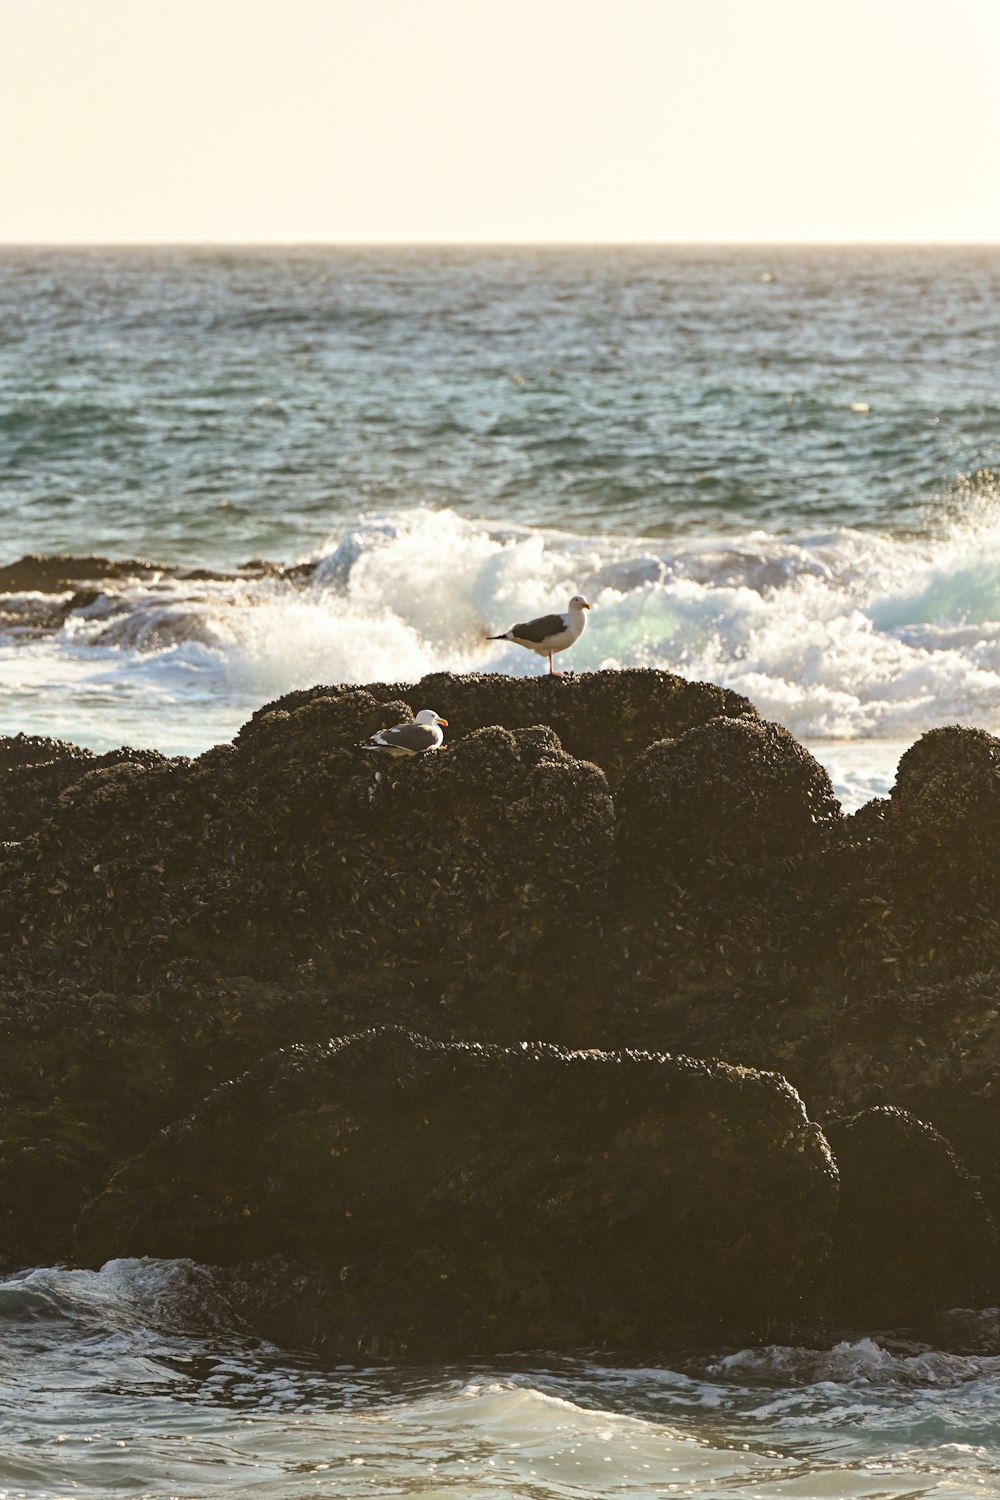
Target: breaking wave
841,635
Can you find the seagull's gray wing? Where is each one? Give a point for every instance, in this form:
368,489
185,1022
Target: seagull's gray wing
539,630
412,737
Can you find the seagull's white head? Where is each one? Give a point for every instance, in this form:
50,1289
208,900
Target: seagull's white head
428,716
578,602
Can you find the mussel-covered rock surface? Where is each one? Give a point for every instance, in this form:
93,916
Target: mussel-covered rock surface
603,1026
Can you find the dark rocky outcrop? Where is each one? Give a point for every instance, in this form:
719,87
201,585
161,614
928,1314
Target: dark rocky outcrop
47,573
454,1199
297,858
723,798
605,717
719,837
613,861
54,573
171,922
20,750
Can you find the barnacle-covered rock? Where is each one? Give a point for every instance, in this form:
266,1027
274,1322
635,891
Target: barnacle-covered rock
34,770
51,1162
919,902
165,923
945,806
450,1199
913,1236
295,848
17,750
720,839
606,717
731,792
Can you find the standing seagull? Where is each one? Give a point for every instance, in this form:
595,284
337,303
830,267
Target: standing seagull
550,633
409,739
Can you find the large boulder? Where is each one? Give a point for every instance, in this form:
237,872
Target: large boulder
941,856
168,923
721,835
933,1050
87,1076
945,806
449,1199
728,794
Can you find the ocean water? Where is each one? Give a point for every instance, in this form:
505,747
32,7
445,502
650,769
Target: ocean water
775,469
107,1390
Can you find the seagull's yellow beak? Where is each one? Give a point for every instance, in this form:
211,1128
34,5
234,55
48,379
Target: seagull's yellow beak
444,722
586,606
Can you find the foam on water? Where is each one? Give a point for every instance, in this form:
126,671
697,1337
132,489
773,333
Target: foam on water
137,1377
848,638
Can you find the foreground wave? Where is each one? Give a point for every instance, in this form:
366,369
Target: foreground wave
134,1378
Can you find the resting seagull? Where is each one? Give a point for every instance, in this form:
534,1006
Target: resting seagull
410,739
550,633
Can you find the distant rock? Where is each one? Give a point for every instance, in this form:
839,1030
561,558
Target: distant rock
47,573
57,573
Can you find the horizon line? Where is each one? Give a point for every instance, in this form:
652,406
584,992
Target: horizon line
499,244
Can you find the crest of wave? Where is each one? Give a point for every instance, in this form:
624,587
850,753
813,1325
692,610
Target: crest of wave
394,599
843,635
838,635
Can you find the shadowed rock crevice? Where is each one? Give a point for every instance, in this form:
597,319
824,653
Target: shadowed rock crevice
913,1237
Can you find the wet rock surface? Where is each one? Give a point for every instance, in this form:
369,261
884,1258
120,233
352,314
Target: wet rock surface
610,861
53,573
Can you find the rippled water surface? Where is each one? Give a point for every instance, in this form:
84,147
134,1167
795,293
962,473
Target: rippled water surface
208,405
106,1389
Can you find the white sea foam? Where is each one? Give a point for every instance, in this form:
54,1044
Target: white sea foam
863,1360
843,636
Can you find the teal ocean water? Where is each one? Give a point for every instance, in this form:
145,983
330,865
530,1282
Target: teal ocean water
776,469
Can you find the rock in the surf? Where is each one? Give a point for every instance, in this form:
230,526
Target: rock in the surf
452,1199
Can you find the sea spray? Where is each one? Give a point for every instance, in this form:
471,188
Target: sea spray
841,636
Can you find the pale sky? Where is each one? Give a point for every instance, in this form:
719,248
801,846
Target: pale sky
521,120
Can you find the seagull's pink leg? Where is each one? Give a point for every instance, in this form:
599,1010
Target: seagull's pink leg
552,671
